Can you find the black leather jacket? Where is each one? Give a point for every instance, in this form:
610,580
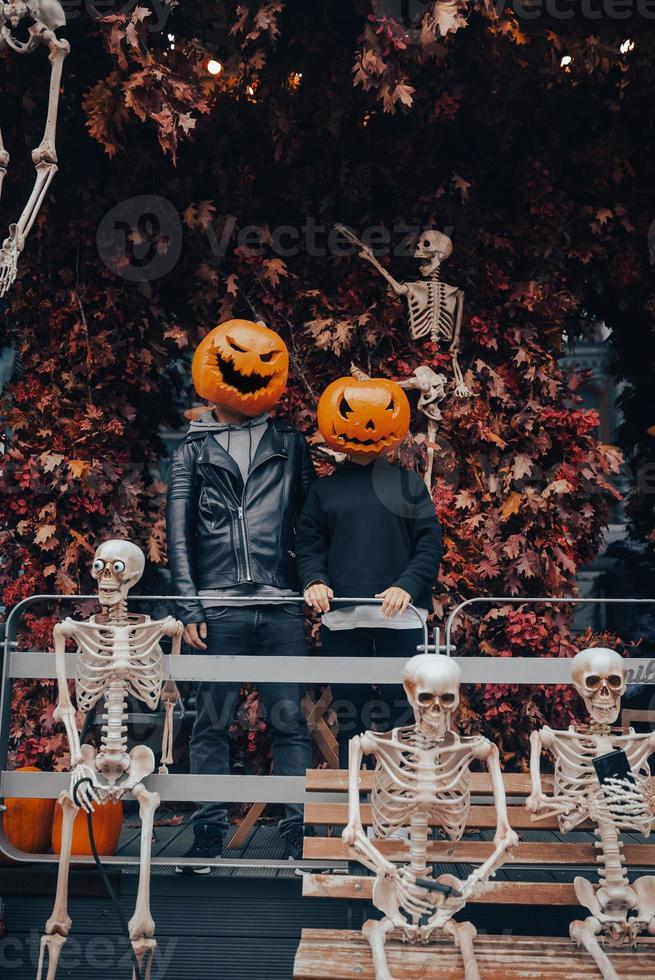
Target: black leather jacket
223,533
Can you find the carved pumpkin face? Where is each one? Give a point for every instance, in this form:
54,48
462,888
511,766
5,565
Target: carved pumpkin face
363,418
241,365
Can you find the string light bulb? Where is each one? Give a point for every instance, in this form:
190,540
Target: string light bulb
214,67
628,45
566,61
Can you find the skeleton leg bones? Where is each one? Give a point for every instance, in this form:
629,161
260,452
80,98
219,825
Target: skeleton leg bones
58,925
376,931
142,925
463,934
586,934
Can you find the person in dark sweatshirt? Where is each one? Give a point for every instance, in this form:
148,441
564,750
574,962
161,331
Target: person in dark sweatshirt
368,530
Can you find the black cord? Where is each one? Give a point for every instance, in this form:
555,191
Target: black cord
105,878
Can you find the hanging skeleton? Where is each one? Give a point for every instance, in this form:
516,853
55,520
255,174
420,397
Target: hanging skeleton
432,387
45,16
422,776
435,308
118,655
620,910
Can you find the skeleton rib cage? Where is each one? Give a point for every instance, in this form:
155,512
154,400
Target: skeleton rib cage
404,780
429,312
129,654
576,779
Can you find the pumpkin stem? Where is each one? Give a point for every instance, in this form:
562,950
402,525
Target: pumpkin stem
358,374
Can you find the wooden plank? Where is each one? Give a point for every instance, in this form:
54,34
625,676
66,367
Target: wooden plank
336,814
336,780
475,852
246,825
499,892
326,954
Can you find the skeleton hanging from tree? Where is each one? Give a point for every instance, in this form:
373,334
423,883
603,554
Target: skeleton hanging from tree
422,776
619,909
44,17
435,307
118,654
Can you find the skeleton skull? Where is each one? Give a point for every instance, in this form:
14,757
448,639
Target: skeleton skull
599,677
433,244
117,566
431,682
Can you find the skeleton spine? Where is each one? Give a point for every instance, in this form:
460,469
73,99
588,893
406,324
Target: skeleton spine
418,847
610,857
114,731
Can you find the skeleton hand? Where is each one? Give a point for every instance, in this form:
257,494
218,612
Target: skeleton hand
413,899
89,793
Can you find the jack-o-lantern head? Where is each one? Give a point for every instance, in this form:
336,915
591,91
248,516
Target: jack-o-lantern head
241,365
363,416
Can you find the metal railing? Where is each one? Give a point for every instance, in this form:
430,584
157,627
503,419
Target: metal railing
208,667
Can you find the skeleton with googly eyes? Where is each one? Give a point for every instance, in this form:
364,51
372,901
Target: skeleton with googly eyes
435,308
117,655
422,777
619,909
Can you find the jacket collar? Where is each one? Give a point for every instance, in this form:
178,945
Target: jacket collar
213,454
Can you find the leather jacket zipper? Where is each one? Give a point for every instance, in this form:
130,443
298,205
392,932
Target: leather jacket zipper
244,537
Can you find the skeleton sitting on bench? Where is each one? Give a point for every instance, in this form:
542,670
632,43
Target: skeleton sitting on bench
619,910
118,654
422,776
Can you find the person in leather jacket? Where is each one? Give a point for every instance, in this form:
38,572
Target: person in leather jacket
236,487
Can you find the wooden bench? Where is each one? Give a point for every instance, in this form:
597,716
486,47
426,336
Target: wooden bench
530,879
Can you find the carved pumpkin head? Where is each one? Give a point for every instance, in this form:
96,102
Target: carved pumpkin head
241,365
363,417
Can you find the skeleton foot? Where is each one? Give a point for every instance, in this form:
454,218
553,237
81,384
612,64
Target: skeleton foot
54,945
463,934
144,950
9,260
585,934
375,931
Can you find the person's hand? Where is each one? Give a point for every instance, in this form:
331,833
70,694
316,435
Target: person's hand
194,634
395,600
317,596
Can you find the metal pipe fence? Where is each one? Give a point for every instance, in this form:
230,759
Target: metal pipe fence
310,670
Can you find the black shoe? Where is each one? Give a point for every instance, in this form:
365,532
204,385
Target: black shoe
293,839
208,843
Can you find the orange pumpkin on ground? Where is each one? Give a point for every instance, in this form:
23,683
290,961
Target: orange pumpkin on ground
241,365
107,825
27,823
363,417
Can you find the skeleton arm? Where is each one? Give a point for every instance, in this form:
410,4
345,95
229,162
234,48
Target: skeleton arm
65,711
505,837
459,312
170,695
537,803
399,288
354,834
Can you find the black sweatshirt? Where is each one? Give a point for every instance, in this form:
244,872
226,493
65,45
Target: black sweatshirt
366,528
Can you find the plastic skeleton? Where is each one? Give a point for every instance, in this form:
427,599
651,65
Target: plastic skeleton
45,17
422,776
118,654
435,308
432,387
619,910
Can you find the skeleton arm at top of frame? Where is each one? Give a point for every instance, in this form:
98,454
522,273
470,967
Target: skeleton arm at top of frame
364,252
354,834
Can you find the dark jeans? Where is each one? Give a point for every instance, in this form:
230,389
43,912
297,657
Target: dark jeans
267,631
357,707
